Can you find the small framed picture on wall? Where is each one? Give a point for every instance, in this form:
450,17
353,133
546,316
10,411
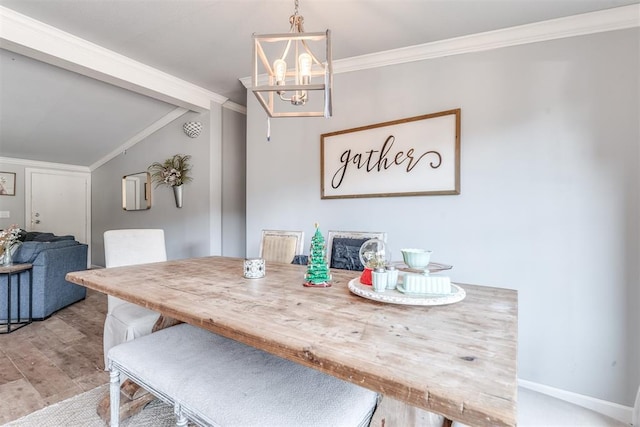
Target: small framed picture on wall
7,184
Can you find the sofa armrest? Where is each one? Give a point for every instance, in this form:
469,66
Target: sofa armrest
51,291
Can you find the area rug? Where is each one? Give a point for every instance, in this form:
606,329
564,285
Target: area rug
80,411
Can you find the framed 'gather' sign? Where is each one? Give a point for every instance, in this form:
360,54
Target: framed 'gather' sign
408,157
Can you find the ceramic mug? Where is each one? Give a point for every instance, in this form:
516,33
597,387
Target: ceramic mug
254,268
379,280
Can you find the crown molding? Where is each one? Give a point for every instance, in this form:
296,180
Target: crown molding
230,105
157,125
35,39
44,165
618,18
571,26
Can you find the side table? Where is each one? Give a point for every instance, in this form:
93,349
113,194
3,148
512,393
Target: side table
12,324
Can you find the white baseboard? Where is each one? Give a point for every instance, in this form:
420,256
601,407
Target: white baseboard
616,411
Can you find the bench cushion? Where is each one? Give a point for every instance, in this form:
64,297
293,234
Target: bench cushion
227,383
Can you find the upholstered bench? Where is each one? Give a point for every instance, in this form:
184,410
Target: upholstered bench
215,381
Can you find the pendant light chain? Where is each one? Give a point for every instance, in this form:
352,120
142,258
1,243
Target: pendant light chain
296,20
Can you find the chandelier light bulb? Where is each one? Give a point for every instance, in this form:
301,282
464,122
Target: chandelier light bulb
305,62
280,70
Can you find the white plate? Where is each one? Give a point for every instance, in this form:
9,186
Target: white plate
393,296
433,267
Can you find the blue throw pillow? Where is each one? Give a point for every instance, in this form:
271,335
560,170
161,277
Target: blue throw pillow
43,237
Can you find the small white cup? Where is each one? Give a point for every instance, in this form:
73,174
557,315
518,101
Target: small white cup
379,280
254,268
392,277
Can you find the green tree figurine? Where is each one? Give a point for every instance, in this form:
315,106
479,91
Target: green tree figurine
317,269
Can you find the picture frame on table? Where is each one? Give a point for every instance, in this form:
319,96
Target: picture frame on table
7,184
343,248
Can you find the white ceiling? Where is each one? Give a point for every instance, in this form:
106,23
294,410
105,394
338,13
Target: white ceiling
50,114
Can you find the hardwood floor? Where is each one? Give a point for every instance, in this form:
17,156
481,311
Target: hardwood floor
49,361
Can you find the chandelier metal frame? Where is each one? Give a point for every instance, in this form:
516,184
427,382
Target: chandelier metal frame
278,85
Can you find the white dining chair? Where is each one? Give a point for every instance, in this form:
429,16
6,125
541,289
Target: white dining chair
281,245
126,321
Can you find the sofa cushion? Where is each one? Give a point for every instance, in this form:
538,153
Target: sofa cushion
37,236
28,251
58,238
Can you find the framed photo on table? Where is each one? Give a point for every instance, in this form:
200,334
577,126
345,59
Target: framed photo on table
343,248
7,184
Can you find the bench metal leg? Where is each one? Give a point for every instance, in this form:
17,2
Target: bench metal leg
114,396
181,420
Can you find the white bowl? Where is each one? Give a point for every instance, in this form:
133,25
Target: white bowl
416,258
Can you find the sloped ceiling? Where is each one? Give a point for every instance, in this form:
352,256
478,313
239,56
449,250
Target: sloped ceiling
55,115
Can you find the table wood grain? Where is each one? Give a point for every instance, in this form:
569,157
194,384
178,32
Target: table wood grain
457,360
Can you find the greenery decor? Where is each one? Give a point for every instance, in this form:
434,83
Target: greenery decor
318,274
174,172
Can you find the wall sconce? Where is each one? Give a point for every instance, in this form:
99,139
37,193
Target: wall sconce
192,129
301,65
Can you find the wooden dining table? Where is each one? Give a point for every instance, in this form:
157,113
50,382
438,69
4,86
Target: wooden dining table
457,360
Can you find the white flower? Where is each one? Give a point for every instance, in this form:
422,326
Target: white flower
10,236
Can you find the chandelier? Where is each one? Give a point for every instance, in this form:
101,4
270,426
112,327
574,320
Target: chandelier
300,67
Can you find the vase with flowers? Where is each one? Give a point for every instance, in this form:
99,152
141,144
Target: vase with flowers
9,241
174,173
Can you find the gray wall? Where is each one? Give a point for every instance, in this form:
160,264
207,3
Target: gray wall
550,192
13,204
234,151
186,229
219,175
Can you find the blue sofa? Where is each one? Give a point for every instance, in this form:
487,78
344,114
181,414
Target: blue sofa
52,258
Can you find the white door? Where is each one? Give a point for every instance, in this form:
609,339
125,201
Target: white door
58,202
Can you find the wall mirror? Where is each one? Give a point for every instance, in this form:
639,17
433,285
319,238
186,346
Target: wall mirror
136,191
